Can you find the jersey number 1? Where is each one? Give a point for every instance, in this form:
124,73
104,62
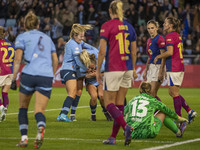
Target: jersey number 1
120,39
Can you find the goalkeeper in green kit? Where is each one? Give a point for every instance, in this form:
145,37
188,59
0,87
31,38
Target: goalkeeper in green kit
139,113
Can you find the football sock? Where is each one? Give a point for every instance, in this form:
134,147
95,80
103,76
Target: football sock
23,121
170,124
93,108
116,114
40,119
158,98
66,105
184,104
104,109
125,101
1,102
75,104
5,99
116,126
177,105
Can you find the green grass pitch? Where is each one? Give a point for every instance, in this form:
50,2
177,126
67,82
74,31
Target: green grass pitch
87,135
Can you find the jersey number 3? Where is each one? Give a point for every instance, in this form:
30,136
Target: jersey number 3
140,106
121,42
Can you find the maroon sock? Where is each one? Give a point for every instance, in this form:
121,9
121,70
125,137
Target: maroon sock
116,126
177,105
1,102
5,99
117,115
158,98
184,104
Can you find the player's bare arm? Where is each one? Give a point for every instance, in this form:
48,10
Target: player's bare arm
166,54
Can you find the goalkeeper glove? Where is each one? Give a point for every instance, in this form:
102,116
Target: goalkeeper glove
13,85
181,119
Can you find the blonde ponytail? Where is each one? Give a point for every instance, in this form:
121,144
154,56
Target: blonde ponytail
85,58
116,7
78,28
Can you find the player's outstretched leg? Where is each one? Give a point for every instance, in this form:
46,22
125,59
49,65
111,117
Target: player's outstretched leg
39,138
191,115
128,130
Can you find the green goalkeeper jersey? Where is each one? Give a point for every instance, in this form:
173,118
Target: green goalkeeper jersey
139,113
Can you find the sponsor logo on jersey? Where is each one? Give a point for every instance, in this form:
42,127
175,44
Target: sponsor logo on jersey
102,30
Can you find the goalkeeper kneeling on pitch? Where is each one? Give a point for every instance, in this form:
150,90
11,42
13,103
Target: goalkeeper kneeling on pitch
139,113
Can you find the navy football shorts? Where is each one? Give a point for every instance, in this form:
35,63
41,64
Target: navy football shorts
66,75
29,84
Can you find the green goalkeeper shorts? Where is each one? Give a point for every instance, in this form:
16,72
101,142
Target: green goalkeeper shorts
155,128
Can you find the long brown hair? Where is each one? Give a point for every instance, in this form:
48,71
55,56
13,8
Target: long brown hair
175,23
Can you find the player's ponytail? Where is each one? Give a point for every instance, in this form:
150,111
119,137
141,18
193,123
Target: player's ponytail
145,87
175,23
117,9
78,28
85,58
93,59
2,33
31,21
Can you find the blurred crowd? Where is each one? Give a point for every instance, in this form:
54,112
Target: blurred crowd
58,16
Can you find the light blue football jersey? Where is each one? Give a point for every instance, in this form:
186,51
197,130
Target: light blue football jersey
71,57
38,49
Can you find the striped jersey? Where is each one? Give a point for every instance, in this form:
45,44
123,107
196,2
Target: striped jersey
154,45
7,52
119,36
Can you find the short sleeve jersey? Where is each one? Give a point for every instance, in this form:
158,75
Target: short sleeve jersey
38,49
174,63
139,113
7,52
72,52
119,36
154,45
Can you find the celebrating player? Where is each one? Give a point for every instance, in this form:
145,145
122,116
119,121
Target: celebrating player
37,76
120,39
6,71
174,65
155,46
93,87
70,65
139,113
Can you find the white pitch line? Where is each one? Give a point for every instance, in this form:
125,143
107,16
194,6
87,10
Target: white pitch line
78,139
171,145
45,110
